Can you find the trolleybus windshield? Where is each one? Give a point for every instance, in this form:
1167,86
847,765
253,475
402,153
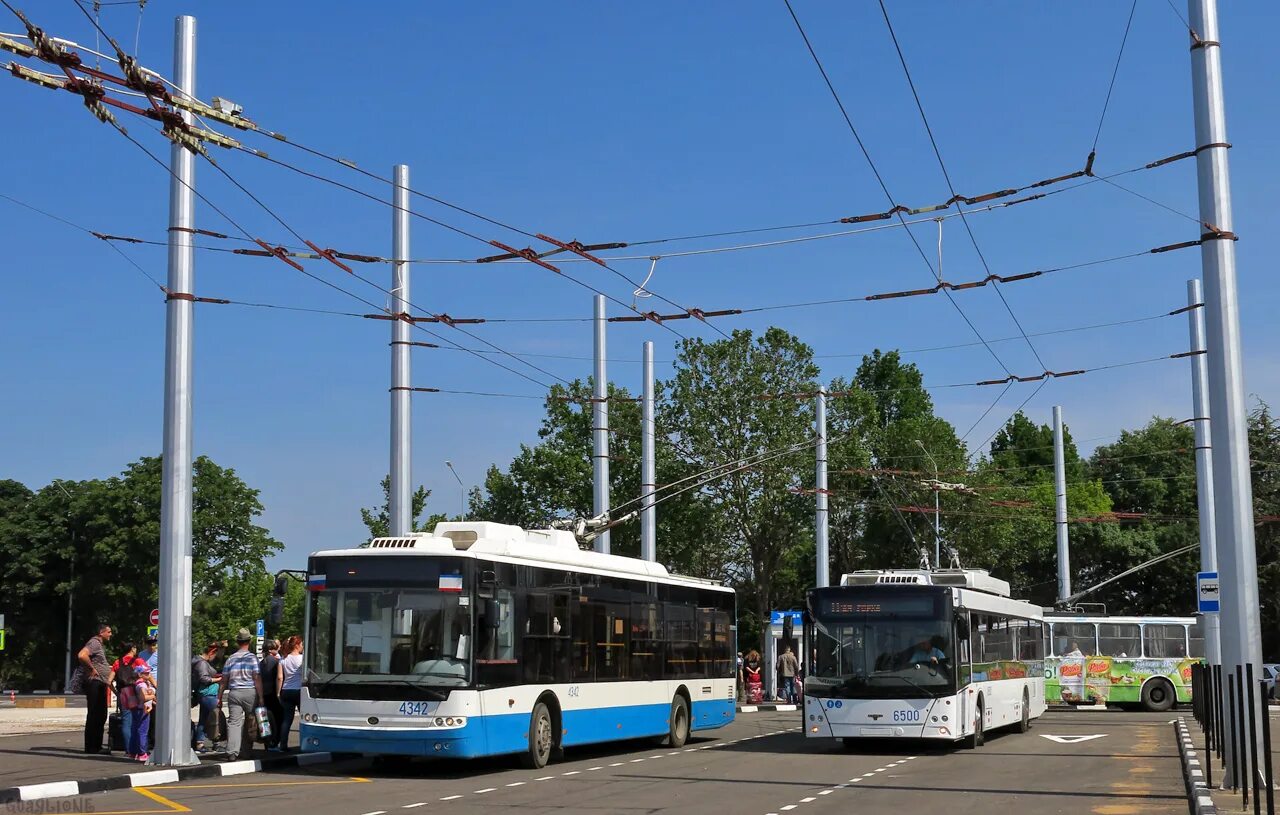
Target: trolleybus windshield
877,641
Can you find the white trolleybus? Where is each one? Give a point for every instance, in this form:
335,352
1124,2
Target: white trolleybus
942,654
483,639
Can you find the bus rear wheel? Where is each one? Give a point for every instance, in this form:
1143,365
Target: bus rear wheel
1025,723
541,740
679,722
1157,696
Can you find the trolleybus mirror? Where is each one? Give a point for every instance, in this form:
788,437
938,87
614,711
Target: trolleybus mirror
489,612
282,585
962,627
276,614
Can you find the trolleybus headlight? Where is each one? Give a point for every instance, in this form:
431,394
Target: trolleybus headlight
944,717
448,721
373,720
460,721
439,722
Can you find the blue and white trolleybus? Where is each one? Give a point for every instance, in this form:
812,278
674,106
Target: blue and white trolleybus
483,639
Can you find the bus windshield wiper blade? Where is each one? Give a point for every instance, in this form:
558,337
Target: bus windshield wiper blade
432,690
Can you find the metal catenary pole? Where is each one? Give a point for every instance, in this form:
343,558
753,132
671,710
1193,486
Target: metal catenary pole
648,466
173,740
820,493
600,426
1060,506
1204,460
1240,624
400,500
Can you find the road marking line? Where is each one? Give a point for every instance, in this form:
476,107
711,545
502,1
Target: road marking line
826,792
377,812
674,753
516,784
451,798
788,807
545,778
571,772
636,760
810,799
174,806
880,769
591,769
486,789
868,775
414,806
617,764
352,780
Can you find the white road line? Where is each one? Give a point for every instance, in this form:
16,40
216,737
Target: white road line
868,775
545,778
808,800
826,792
657,756
636,760
377,812
593,769
788,807
516,784
414,806
617,764
572,772
486,789
451,798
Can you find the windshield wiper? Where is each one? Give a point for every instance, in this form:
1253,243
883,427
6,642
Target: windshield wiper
326,683
431,690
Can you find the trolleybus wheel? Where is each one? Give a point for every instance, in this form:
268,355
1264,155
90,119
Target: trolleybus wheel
976,739
1157,695
679,721
1025,724
541,739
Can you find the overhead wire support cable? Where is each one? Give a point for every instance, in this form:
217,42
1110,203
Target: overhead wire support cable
883,186
937,152
1114,73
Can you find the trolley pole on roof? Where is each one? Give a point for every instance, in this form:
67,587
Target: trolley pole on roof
600,427
1240,626
648,464
399,499
820,491
1060,506
1204,460
173,738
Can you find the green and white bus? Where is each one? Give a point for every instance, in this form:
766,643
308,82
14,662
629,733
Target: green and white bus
1101,659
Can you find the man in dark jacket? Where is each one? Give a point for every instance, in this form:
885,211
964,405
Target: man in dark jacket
269,667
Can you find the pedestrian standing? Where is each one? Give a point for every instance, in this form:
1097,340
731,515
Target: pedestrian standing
290,687
242,685
269,668
151,656
205,684
136,701
91,677
787,668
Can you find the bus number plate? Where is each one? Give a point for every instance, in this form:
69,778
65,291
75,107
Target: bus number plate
415,709
906,715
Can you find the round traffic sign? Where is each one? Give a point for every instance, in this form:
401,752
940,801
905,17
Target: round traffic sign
155,616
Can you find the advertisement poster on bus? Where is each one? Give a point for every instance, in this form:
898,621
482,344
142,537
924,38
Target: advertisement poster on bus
1112,679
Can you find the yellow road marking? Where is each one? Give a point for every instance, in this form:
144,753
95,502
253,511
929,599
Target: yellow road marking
174,806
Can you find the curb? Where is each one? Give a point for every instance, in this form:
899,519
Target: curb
153,778
1199,799
767,707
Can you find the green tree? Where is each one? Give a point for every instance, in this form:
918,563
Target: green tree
378,519
1264,456
715,415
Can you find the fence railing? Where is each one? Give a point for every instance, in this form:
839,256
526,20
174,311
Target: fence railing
1227,701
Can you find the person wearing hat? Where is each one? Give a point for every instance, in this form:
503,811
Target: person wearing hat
242,686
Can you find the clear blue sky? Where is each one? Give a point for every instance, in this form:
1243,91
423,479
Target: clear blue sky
610,123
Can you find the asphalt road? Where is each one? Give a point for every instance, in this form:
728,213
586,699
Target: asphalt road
760,765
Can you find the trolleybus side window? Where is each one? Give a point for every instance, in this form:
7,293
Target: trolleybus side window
1120,640
1165,640
1197,640
646,641
1083,635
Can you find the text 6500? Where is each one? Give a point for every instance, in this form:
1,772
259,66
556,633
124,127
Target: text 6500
906,715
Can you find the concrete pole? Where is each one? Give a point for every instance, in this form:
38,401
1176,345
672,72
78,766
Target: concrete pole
648,465
400,498
1204,461
820,482
1232,489
173,737
600,427
1060,506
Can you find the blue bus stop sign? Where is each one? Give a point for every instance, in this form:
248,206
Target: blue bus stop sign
1207,592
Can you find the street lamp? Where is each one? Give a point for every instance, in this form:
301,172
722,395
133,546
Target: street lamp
462,490
937,512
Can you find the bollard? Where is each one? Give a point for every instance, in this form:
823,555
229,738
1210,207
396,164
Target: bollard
1231,733
1209,715
1222,714
1253,742
1242,756
1266,753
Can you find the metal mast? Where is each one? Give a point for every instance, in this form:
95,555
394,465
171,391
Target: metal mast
173,737
1060,506
600,427
648,465
820,491
400,497
1204,460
